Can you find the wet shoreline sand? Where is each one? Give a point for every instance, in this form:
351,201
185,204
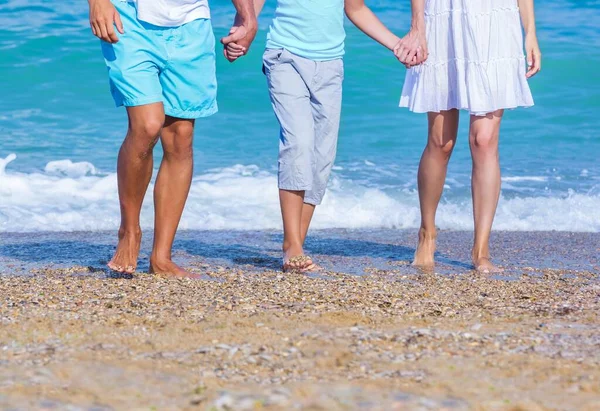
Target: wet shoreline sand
249,337
346,251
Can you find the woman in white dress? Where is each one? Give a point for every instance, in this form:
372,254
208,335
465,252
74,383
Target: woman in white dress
466,55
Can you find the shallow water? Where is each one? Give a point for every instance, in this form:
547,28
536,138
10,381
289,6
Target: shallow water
357,252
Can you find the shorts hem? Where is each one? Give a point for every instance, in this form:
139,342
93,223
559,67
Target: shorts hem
192,114
138,102
312,201
294,188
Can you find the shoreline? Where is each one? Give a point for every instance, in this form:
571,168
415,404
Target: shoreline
349,251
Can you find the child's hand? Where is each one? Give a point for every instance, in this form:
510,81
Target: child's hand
412,63
233,51
411,50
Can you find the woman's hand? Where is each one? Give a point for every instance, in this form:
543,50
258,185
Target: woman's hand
534,55
411,50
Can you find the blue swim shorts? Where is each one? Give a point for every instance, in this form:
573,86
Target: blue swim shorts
172,65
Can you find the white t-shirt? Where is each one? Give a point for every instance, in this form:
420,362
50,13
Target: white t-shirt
171,13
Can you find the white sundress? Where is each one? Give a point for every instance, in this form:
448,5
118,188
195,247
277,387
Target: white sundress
476,60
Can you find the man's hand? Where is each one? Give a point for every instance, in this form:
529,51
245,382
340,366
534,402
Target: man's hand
103,18
232,51
238,42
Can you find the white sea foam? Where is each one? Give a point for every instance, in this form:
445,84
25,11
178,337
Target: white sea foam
71,196
67,168
516,179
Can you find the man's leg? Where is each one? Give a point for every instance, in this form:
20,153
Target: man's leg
170,192
134,171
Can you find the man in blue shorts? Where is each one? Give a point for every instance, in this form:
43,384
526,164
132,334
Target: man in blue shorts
161,66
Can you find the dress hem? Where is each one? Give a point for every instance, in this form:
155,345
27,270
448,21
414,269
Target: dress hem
473,113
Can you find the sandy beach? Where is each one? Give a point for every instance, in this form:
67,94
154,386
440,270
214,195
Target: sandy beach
369,332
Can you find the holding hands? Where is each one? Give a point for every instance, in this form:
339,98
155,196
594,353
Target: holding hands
240,37
411,50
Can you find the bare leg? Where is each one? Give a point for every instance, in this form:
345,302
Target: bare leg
170,193
483,140
292,203
308,211
443,128
134,171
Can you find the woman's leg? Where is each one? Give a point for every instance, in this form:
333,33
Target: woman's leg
483,140
443,128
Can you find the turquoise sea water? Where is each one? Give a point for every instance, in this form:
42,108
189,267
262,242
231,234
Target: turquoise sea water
57,116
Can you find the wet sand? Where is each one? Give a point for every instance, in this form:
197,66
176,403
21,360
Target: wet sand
371,332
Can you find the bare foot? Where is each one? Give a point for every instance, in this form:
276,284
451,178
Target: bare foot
126,255
169,269
424,256
295,260
485,266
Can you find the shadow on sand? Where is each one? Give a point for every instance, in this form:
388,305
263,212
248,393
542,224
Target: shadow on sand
254,251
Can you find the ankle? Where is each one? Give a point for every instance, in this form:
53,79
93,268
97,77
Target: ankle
288,245
427,235
130,231
160,261
477,255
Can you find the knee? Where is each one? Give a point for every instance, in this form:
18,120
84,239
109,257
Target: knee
148,129
178,140
296,163
144,135
484,143
180,130
304,144
298,150
441,146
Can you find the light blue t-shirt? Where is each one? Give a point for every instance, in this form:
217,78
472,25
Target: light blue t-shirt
313,29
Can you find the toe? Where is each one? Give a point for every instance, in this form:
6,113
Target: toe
113,266
313,267
290,266
308,264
